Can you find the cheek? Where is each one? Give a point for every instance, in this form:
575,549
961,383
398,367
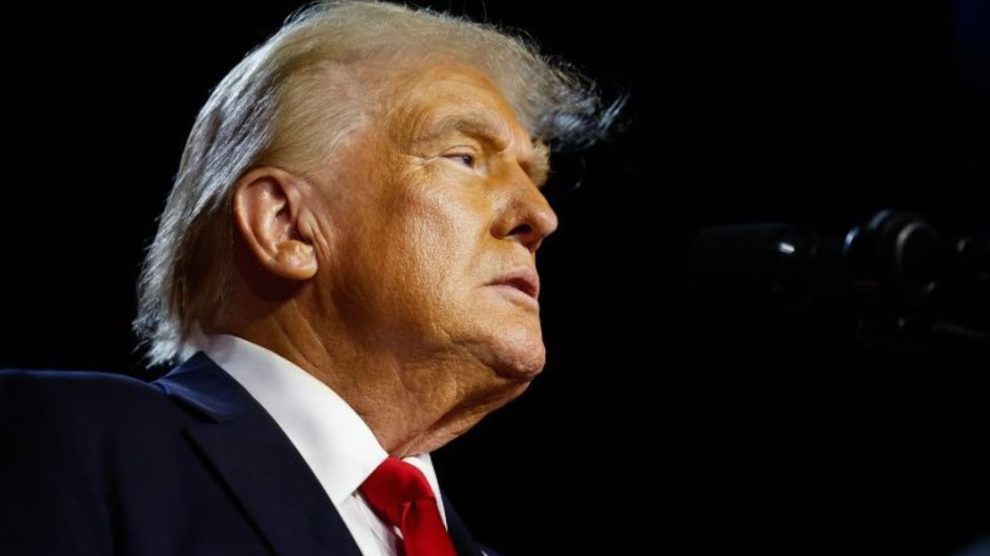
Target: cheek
443,221
419,285
440,237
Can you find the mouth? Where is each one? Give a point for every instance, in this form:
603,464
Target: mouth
523,279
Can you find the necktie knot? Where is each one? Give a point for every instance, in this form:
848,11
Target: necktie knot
400,494
393,485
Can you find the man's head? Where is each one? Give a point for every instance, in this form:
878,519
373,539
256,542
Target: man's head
365,185
430,246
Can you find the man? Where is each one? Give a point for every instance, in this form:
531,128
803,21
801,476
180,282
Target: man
345,268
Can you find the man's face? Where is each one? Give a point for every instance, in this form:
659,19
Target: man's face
434,218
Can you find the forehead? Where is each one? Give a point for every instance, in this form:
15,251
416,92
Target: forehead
446,98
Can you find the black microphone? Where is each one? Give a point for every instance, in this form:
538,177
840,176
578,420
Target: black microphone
895,265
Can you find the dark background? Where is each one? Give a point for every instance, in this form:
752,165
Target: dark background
661,423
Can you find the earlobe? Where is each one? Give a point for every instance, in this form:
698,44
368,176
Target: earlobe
295,260
266,208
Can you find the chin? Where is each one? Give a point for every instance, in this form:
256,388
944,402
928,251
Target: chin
511,345
522,360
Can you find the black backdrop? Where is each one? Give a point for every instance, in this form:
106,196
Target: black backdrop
657,426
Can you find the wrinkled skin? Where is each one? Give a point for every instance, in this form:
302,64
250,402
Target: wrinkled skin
383,262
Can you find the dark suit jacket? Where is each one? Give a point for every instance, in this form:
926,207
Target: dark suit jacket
191,464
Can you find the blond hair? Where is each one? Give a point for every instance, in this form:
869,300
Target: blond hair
299,96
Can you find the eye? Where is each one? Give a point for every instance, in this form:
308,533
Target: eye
464,158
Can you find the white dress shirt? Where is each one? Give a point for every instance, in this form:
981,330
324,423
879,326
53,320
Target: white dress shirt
333,439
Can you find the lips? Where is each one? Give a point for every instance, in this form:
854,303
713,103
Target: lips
524,279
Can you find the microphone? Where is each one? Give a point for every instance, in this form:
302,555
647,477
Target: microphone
895,266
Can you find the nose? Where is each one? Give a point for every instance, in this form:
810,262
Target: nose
528,217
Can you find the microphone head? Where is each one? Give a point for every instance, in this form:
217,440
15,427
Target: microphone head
761,262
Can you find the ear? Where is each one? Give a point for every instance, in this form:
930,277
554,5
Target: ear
267,203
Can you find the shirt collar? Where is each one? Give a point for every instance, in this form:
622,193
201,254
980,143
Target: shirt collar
331,437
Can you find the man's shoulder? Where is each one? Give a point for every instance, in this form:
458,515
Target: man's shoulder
87,383
91,393
68,378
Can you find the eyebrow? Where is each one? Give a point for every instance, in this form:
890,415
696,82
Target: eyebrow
476,124
483,127
540,168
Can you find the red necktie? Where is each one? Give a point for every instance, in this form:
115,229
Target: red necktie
400,494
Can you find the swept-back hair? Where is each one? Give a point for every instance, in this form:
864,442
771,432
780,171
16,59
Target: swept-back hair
298,97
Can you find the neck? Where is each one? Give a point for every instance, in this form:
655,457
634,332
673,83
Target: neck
412,404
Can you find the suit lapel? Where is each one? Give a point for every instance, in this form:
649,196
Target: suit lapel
258,463
464,543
